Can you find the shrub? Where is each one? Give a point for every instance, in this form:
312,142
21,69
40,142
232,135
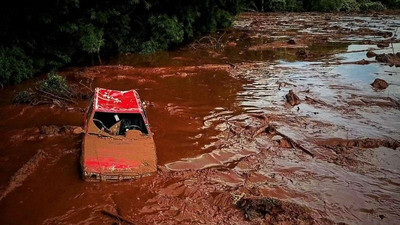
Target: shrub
371,6
224,18
15,66
92,40
277,5
54,83
393,4
294,5
23,97
165,31
350,6
326,5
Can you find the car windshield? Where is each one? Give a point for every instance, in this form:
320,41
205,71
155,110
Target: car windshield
119,123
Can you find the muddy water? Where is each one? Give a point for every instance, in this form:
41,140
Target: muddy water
208,107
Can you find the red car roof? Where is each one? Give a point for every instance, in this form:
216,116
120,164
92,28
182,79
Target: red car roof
106,100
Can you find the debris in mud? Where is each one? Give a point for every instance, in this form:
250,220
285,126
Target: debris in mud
371,54
362,62
116,216
53,91
259,208
231,44
24,172
292,98
272,131
390,58
53,130
361,143
78,130
383,45
380,84
302,53
50,130
274,211
291,41
284,143
277,45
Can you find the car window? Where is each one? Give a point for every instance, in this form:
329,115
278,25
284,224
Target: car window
119,123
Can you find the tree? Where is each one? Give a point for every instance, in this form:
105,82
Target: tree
92,40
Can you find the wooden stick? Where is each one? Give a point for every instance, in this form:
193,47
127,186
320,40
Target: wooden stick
80,82
120,218
56,96
295,144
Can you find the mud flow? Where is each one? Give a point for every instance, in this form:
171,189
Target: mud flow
273,121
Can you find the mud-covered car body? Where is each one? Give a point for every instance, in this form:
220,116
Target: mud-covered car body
118,143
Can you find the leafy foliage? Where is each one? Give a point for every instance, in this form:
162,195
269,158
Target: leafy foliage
23,97
367,5
277,5
166,32
47,35
15,66
91,39
350,6
294,5
54,83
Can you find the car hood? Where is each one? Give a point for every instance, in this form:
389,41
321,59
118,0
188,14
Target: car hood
119,155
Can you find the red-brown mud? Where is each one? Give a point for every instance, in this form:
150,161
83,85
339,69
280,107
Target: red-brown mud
230,150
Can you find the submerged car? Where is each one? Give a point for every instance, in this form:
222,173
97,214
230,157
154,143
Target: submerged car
118,143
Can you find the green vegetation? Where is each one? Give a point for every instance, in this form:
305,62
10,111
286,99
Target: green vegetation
23,97
44,35
54,84
15,66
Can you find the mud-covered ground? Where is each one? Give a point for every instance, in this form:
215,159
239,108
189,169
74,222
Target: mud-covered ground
231,149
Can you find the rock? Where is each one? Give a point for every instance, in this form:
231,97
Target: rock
292,98
371,54
380,84
78,130
302,53
383,45
291,42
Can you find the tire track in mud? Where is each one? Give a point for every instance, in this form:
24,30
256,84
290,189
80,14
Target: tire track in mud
23,173
43,157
